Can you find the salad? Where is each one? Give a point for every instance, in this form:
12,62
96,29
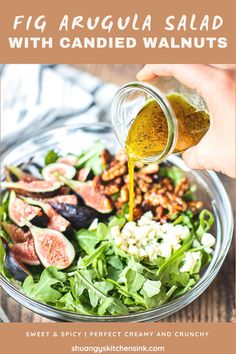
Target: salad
66,240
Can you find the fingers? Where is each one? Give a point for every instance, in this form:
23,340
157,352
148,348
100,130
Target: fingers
191,159
196,76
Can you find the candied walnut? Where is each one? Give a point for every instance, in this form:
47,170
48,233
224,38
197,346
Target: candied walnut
124,194
110,189
106,157
158,212
137,213
142,185
121,156
195,206
145,178
150,169
115,169
167,183
182,187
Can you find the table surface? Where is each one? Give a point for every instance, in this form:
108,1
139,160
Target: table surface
217,303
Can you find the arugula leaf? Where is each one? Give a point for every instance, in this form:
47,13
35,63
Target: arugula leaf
67,302
92,159
42,290
134,280
174,173
151,288
2,256
4,206
51,157
87,239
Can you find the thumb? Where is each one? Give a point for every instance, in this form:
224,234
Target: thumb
191,158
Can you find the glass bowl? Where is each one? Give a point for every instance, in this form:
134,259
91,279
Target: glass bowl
210,191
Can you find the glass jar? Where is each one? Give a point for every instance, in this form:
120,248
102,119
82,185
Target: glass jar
184,129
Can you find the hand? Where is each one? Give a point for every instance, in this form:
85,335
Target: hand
216,150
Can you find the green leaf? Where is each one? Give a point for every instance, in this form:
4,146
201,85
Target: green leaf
67,302
2,256
42,290
151,288
117,221
51,157
134,280
92,159
174,173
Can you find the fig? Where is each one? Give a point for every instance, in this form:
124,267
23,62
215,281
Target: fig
69,160
55,220
52,247
92,197
25,252
16,234
59,167
67,199
13,264
84,174
40,187
19,211
20,174
79,216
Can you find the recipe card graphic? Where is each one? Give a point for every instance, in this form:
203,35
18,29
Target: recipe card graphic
118,176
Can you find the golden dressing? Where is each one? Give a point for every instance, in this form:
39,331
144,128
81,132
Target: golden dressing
148,133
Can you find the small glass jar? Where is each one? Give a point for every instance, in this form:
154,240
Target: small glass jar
133,96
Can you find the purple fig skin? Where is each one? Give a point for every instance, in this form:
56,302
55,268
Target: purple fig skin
15,266
78,216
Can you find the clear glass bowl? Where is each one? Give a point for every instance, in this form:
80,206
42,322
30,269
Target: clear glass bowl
210,190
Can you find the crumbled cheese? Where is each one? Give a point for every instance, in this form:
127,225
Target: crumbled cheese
208,240
190,261
148,238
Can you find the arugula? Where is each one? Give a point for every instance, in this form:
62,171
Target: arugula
43,290
2,256
92,159
51,157
174,173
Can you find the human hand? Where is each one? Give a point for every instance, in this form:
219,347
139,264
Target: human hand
216,150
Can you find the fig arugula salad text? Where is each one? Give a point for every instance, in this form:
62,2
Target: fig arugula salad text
66,240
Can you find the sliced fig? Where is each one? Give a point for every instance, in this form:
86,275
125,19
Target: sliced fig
20,174
69,160
67,199
52,247
79,216
13,264
40,187
25,252
89,194
16,234
55,220
19,211
59,167
84,174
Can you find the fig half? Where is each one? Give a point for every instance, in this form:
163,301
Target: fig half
52,247
67,199
55,220
79,216
89,194
19,211
69,160
25,252
63,169
40,187
16,234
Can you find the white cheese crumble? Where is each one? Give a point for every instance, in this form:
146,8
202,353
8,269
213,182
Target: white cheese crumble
190,261
148,238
